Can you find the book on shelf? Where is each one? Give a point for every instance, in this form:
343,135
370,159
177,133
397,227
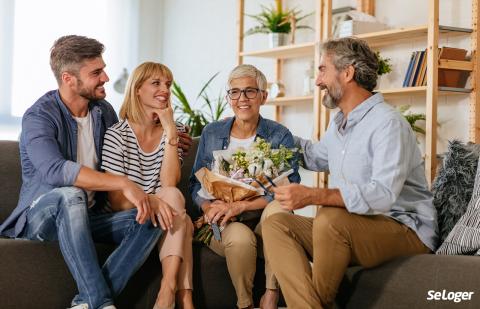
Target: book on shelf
452,78
416,74
422,71
418,68
409,70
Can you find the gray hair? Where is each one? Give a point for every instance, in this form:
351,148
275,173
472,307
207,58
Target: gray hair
355,52
248,70
68,52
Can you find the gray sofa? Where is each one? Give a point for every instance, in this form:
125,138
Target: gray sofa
34,275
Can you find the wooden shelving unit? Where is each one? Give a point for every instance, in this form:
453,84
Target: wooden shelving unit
396,36
284,52
421,90
431,31
291,101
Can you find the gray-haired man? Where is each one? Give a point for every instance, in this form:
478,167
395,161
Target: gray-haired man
377,206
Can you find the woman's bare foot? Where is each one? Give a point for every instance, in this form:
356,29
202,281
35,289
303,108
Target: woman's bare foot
166,296
184,299
269,300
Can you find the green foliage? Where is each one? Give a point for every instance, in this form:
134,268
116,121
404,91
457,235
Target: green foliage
412,118
197,119
384,65
273,21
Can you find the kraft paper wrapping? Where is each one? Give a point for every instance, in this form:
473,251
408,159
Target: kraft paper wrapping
230,190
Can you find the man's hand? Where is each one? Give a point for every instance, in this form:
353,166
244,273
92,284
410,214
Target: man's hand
293,196
139,198
185,142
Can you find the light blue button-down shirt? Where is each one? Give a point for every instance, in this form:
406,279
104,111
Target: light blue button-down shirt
376,164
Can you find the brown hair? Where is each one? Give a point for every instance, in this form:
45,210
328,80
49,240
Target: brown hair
68,52
131,108
355,52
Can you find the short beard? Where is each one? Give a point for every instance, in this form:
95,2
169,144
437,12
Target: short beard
332,96
88,94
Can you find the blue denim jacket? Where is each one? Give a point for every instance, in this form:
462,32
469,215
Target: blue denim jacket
216,136
48,151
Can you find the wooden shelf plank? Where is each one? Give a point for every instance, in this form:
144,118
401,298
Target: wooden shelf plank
421,90
374,39
393,36
284,52
455,65
289,101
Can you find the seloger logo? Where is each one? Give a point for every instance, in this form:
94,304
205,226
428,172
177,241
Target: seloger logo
456,297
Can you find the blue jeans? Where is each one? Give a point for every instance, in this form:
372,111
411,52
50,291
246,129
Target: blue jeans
62,215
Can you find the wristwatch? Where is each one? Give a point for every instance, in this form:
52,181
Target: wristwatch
172,141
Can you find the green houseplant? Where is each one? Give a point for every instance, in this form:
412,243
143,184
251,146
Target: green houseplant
412,118
384,65
277,23
197,119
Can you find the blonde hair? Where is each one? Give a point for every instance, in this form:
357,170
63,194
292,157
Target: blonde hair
248,70
131,107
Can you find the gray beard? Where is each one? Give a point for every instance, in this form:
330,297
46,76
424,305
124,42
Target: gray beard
329,102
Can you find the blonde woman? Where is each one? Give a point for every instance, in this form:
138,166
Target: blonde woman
144,147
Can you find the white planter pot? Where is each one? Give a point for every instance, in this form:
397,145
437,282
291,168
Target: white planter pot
277,39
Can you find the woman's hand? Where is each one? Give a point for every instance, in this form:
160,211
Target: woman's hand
165,115
161,213
219,209
234,209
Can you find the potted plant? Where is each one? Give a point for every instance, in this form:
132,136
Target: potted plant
277,23
412,118
384,65
197,119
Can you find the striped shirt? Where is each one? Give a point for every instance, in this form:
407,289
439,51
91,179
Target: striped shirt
122,155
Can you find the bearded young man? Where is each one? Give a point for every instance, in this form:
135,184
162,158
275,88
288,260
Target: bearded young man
60,147
377,206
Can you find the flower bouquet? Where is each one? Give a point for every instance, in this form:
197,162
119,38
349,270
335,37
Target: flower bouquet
242,174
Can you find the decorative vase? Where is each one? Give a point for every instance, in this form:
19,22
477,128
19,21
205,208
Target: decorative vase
276,39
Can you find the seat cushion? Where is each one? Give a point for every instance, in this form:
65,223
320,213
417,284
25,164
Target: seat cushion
10,177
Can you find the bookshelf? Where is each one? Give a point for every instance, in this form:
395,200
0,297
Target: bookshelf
431,31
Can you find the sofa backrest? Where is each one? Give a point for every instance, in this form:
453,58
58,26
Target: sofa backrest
11,178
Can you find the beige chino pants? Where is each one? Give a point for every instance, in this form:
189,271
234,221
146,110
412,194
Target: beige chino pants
239,247
333,240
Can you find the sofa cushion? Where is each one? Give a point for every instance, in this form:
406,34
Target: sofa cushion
453,186
464,238
406,282
10,177
187,166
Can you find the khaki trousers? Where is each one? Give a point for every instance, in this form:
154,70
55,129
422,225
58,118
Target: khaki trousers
178,240
333,240
239,247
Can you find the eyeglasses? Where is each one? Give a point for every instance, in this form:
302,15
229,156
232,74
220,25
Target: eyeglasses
236,93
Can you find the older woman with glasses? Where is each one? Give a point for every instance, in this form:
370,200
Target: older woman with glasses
238,242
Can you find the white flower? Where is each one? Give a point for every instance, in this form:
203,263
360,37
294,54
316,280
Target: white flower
254,169
268,172
267,164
